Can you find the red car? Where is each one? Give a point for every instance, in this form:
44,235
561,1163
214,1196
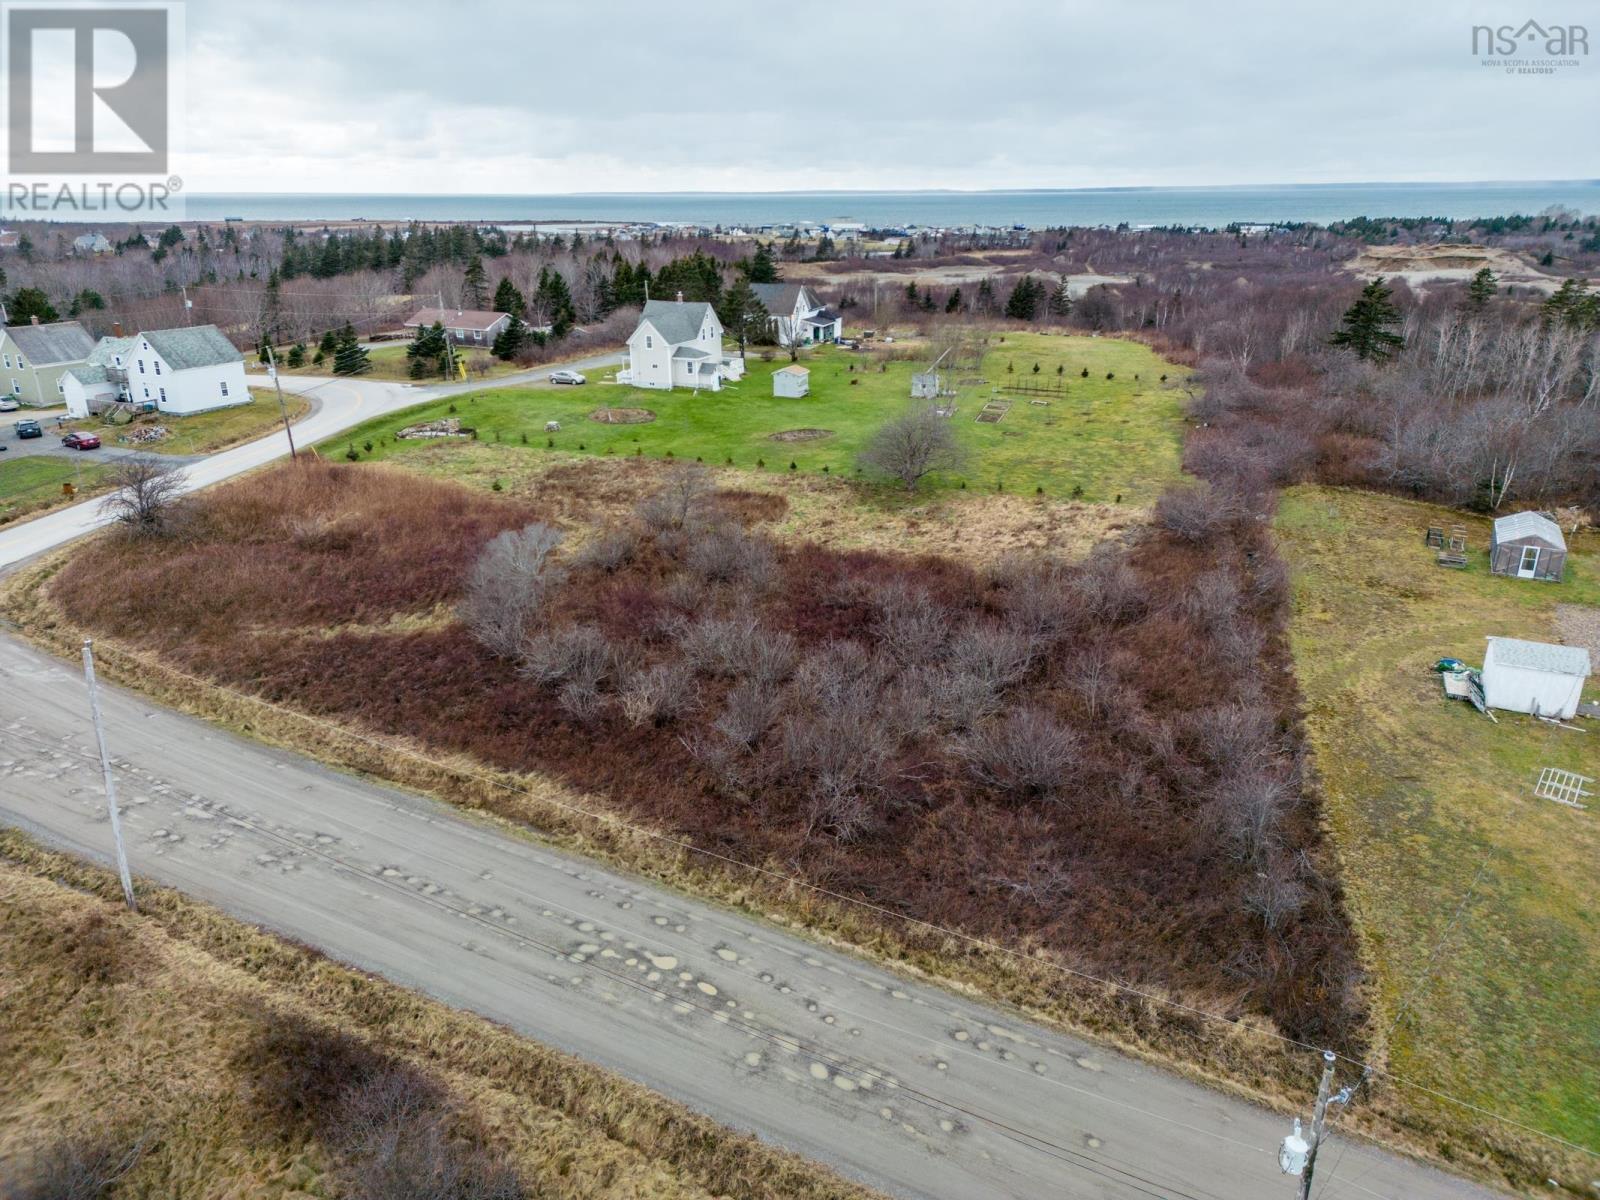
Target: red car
81,441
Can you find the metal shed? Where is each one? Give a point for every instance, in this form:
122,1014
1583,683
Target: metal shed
792,382
1534,677
1528,545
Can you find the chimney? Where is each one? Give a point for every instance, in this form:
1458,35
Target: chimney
680,301
116,329
36,315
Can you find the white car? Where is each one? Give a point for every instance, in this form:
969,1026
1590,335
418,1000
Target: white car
566,377
7,404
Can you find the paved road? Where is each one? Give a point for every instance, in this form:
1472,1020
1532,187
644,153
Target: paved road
905,1087
339,404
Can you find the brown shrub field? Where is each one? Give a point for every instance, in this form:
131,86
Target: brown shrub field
1101,759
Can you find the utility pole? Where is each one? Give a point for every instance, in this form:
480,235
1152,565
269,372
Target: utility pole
1318,1119
105,774
449,347
272,361
188,305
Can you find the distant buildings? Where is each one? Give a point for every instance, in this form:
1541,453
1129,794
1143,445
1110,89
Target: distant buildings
92,243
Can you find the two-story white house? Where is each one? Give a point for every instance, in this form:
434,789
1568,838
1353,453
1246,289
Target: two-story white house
679,344
187,370
797,315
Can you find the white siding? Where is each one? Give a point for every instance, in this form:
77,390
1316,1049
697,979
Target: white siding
1521,689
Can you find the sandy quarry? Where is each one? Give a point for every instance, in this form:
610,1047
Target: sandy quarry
1447,261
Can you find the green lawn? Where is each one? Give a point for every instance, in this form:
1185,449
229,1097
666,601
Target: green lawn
30,485
208,432
1109,437
1418,789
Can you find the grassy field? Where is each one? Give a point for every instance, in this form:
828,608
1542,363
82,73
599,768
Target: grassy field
1419,791
389,362
208,432
229,1057
1108,438
31,485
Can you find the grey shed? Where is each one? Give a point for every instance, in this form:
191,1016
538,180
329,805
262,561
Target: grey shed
1528,545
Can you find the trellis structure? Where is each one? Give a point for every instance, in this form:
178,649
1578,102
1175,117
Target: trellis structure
1564,787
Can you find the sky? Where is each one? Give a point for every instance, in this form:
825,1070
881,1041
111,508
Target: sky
712,95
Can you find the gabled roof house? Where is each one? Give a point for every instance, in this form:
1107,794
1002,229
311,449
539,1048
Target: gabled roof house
798,315
678,343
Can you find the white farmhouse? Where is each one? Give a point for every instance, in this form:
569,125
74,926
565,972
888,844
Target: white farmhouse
679,344
187,370
102,381
1534,677
797,315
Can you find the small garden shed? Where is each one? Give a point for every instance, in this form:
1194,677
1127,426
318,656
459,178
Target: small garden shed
1528,545
1534,677
791,381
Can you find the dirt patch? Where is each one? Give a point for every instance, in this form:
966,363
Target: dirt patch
802,435
1446,261
1579,625
622,416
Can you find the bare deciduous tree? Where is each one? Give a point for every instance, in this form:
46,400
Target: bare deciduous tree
914,446
146,496
506,587
679,500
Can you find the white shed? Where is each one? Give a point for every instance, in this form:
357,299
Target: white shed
791,381
1534,677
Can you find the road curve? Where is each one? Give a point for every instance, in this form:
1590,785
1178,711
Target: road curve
905,1087
340,404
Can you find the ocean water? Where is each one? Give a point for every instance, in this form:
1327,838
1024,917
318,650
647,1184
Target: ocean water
1199,206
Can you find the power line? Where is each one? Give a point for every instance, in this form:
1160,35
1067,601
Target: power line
1369,1070
1084,1161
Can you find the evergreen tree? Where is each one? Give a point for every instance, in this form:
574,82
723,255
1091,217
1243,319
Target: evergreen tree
473,284
1060,300
349,356
1366,328
1573,305
297,354
428,351
762,267
329,343
743,315
985,304
1023,303
271,308
553,302
953,305
508,299
1482,289
28,303
510,340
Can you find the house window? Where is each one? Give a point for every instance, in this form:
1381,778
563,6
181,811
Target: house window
158,366
117,358
163,392
16,388
224,387
8,362
141,366
21,366
61,386
649,342
147,393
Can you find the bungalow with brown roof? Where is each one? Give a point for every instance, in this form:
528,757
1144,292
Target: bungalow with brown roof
463,326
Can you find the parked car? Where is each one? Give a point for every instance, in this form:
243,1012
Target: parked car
566,377
29,429
81,441
7,404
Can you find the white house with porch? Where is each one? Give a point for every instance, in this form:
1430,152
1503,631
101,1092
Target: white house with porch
797,314
679,344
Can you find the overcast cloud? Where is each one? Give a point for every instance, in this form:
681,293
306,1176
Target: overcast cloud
623,95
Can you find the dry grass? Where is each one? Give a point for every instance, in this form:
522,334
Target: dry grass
967,526
163,1030
1420,792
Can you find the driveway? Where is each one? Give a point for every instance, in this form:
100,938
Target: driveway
909,1088
338,404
